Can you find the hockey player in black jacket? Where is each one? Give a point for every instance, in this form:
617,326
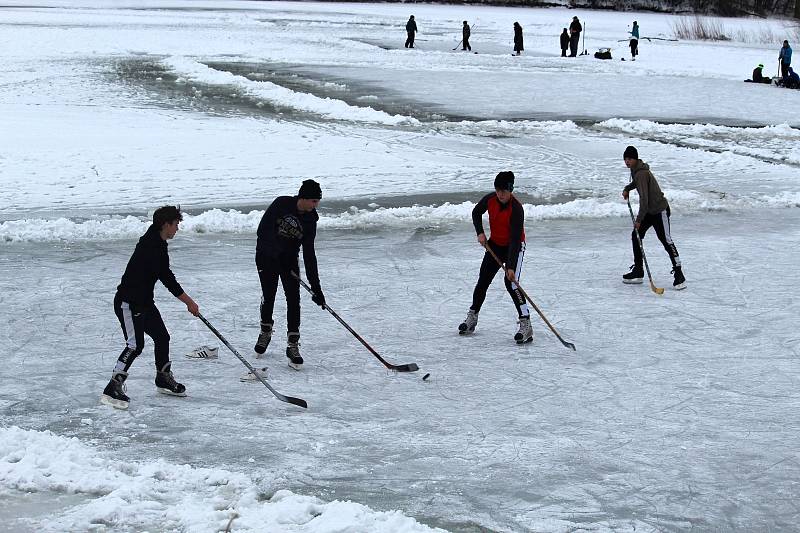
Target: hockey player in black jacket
137,311
289,223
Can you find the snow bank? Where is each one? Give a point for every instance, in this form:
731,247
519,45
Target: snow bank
281,96
163,496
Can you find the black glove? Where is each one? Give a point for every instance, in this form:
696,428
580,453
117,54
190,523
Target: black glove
318,298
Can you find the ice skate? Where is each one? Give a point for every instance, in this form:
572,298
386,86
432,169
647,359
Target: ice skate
263,339
468,326
635,276
166,384
293,351
680,282
114,393
525,333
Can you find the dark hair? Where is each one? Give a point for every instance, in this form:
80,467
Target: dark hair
166,215
504,181
630,153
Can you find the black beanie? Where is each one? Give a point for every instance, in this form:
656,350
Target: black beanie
311,190
504,181
630,153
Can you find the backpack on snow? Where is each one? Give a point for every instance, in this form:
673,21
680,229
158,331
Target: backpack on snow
603,53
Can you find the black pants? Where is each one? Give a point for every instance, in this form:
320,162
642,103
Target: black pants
136,321
466,45
634,47
489,268
660,222
573,44
269,271
563,52
785,69
410,40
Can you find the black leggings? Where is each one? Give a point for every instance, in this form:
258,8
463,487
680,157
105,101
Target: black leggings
269,270
136,321
660,222
489,268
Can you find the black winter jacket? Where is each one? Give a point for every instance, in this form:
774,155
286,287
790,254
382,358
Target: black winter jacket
148,264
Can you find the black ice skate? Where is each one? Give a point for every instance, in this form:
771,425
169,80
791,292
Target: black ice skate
468,326
293,351
114,393
680,282
635,276
263,338
166,384
525,333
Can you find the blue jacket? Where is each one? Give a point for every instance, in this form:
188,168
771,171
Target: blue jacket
635,32
786,55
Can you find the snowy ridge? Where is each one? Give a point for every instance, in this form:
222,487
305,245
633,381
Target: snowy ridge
234,221
162,496
281,96
778,143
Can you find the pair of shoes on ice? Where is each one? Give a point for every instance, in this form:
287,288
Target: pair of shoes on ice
523,336
114,393
292,346
636,276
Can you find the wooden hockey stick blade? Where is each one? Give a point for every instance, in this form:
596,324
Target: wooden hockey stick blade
657,290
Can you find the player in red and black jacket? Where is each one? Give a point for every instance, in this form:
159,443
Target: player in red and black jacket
507,241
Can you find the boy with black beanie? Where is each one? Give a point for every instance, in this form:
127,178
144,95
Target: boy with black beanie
288,224
653,212
507,241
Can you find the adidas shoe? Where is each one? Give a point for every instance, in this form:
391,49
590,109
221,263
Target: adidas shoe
635,276
468,326
204,352
263,339
525,333
680,282
114,393
293,351
252,377
166,384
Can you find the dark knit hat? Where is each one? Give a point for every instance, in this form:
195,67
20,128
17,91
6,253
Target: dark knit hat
504,181
311,190
630,153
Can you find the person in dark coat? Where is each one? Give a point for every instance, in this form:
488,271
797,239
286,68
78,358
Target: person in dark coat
758,76
792,79
465,33
411,29
575,30
518,45
564,42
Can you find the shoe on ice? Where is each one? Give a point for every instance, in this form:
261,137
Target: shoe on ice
263,338
204,352
293,351
252,377
166,384
680,282
114,393
525,333
468,326
635,276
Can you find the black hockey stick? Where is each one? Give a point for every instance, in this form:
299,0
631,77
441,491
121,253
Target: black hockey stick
288,399
653,287
411,367
470,31
525,294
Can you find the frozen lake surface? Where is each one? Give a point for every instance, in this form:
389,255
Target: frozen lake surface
677,412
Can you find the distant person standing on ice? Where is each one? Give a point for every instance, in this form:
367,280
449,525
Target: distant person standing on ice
518,44
411,29
507,240
137,312
653,212
634,42
564,42
785,58
288,224
575,30
465,33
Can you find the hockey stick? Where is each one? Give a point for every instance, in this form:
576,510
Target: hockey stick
470,34
411,367
653,287
536,307
288,399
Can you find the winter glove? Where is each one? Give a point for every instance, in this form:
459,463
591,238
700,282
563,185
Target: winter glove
318,297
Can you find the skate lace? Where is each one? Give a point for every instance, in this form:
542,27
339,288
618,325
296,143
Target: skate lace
293,349
264,336
168,377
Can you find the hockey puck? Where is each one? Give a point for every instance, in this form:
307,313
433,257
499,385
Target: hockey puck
425,377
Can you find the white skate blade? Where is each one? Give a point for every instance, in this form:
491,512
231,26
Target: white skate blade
249,377
680,286
116,404
525,341
635,281
295,366
168,392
